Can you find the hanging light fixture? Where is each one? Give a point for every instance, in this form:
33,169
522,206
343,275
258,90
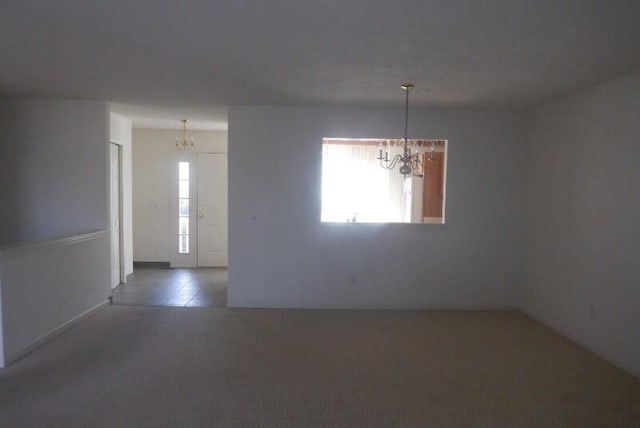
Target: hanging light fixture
184,143
408,162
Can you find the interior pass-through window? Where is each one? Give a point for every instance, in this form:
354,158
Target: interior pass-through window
356,188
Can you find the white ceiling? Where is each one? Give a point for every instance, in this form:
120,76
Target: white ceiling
167,59
204,118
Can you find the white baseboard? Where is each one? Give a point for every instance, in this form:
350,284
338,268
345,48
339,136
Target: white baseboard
611,359
263,304
50,334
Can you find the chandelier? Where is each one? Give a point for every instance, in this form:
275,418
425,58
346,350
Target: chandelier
184,143
408,162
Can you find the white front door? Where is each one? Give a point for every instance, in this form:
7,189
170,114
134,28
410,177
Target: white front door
114,156
212,209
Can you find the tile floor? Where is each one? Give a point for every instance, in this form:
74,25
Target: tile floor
202,287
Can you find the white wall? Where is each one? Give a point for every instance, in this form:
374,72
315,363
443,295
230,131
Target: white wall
282,256
53,175
53,168
120,133
154,151
47,285
2,358
583,247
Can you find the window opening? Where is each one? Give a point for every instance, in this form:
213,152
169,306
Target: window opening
355,188
183,207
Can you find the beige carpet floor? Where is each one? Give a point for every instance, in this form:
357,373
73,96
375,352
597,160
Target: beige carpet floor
182,367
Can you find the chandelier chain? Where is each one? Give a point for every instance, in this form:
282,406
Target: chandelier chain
410,162
406,115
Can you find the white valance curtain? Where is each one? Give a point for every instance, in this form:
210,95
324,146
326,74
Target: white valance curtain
354,186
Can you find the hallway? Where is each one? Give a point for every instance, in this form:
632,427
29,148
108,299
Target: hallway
201,287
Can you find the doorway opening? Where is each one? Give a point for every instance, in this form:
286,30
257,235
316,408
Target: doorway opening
180,223
115,214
